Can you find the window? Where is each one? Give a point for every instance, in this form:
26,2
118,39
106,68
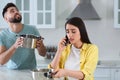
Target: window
40,13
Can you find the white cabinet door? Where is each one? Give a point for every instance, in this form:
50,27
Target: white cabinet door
40,13
44,13
115,74
102,74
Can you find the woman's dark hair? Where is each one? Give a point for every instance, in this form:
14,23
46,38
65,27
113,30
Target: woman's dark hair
77,22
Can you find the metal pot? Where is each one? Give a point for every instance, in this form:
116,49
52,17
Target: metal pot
41,74
29,41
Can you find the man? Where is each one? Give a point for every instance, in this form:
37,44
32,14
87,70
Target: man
11,52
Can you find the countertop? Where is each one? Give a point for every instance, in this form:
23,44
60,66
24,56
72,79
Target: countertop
108,64
43,63
7,74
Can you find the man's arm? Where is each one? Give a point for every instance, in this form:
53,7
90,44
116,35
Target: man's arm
5,54
41,48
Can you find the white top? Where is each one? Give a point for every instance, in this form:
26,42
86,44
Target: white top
73,61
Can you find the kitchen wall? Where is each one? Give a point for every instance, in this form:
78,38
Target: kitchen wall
101,32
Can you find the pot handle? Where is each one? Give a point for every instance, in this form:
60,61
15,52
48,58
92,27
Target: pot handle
40,38
22,35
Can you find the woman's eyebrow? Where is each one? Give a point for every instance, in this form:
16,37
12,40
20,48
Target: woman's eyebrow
70,29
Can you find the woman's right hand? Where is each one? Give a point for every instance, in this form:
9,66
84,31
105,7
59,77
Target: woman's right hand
61,45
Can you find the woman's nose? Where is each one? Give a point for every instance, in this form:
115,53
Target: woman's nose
70,34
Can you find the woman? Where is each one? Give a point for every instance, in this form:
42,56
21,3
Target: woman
78,59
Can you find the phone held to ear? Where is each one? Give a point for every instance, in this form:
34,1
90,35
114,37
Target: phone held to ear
67,41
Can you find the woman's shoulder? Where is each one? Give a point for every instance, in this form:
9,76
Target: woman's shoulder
90,46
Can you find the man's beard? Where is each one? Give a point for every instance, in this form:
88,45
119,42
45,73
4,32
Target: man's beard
17,19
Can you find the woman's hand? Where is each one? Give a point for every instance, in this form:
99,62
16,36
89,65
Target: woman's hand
59,73
61,44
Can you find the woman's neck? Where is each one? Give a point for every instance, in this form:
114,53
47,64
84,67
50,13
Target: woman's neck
78,45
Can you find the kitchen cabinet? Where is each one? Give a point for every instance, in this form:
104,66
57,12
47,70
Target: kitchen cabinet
40,13
102,74
107,73
115,74
117,13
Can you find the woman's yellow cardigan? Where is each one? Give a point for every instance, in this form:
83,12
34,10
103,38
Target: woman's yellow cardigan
88,59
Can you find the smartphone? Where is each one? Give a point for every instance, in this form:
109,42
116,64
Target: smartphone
67,40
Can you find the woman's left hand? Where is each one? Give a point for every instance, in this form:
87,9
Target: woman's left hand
59,73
